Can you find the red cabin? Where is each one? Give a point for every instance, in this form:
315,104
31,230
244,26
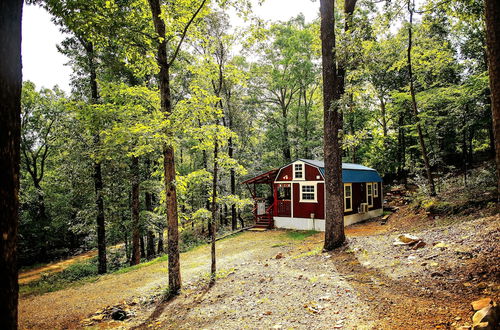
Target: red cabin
296,195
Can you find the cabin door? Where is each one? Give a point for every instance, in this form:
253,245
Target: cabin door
284,200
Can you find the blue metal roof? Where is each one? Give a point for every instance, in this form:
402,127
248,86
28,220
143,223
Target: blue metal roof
351,173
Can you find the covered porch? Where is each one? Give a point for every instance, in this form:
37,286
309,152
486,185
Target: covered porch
263,193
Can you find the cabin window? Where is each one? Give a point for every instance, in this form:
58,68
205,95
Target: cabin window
298,171
308,193
348,197
375,189
369,194
284,193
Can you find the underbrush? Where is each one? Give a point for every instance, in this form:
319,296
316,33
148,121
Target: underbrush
458,196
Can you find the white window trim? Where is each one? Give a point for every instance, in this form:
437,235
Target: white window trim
308,183
375,189
303,171
367,184
345,197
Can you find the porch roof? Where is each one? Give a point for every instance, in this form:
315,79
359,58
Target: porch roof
267,177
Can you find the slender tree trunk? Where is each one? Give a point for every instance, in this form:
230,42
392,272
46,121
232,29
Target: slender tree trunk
307,152
287,154
234,220
242,221
136,232
161,248
423,148
43,220
207,200
98,183
150,251
10,139
142,245
384,117
492,15
174,273
213,268
333,88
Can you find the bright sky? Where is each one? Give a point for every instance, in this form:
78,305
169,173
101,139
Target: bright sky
45,66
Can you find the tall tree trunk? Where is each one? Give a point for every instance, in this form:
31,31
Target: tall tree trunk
43,220
10,139
287,154
136,231
234,220
333,88
384,117
213,220
174,272
307,153
207,199
148,201
423,148
98,183
492,16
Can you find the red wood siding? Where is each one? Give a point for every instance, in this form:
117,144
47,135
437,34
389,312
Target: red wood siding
312,173
285,174
304,210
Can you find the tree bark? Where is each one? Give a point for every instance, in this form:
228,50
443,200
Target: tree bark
10,138
213,268
332,90
136,232
492,16
148,201
174,274
98,184
423,148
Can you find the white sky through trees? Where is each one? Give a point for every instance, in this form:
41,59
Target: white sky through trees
45,66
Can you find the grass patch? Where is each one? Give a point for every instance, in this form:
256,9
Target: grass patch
74,275
141,265
300,235
279,245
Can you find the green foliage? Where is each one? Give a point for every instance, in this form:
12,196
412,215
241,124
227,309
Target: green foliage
299,234
256,94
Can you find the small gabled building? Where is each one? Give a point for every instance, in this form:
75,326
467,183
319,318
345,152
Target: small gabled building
295,198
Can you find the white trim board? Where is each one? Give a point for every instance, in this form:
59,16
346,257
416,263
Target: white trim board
319,224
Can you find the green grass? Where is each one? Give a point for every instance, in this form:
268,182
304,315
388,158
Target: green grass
300,235
74,275
141,265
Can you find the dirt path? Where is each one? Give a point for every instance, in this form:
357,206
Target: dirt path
54,267
269,280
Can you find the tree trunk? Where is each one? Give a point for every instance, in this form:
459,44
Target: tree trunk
207,199
161,248
136,231
174,273
234,220
148,201
98,184
492,15
287,154
334,211
423,148
10,138
213,267
384,117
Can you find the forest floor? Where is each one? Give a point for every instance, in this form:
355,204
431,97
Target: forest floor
277,279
